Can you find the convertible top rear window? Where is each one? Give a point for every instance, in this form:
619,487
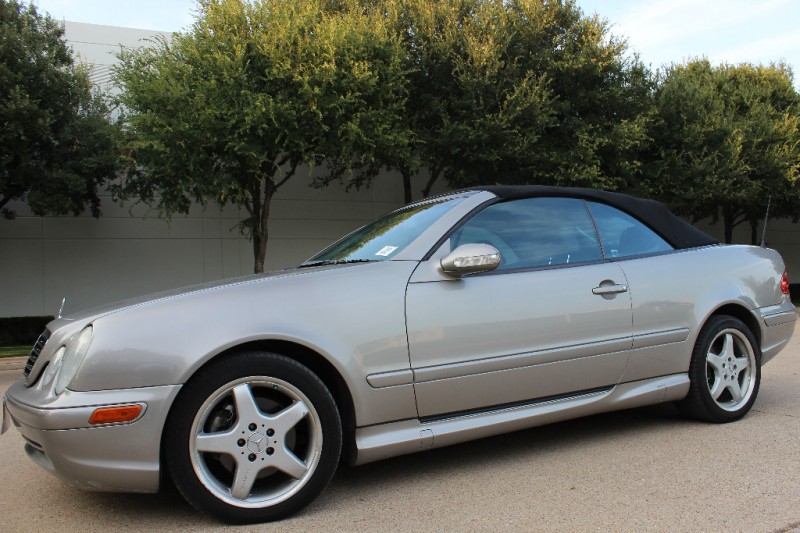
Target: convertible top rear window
624,236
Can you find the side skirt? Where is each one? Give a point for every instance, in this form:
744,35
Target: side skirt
408,436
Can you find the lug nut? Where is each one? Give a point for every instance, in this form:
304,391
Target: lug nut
241,442
270,432
252,457
270,451
252,427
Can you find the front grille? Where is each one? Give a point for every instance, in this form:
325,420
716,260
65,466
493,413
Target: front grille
37,349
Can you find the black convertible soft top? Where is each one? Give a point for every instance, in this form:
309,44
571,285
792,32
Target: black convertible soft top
677,232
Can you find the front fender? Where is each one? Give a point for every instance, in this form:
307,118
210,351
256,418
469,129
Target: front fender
353,316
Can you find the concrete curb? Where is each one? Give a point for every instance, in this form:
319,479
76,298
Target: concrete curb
12,363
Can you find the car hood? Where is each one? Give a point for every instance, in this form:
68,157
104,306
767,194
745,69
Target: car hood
85,316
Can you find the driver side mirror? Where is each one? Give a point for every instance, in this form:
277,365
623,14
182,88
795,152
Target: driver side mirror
470,259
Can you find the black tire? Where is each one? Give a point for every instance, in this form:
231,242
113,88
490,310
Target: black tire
287,420
725,372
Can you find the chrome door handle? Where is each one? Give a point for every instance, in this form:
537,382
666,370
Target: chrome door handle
609,289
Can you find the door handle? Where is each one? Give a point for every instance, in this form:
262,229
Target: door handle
609,289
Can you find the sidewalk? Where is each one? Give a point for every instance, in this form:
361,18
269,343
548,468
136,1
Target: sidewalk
12,363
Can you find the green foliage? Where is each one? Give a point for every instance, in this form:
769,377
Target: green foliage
56,143
227,112
600,97
726,139
22,330
476,109
525,91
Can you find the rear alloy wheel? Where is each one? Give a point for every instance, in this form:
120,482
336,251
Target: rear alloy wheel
725,372
253,438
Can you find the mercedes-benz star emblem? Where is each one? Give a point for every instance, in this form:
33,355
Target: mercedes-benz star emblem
257,443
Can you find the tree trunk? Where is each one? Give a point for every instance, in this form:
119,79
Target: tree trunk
428,186
406,172
261,206
261,235
4,201
754,230
727,217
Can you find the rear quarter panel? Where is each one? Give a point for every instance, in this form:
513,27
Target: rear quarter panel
679,291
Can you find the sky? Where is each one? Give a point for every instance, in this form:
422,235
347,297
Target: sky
724,31
660,31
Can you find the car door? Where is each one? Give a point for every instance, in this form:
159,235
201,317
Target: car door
662,287
553,319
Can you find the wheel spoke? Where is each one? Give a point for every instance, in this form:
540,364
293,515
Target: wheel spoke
223,442
246,474
289,417
736,390
716,362
288,463
718,388
246,408
741,363
727,348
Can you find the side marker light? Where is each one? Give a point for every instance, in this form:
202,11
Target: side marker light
115,415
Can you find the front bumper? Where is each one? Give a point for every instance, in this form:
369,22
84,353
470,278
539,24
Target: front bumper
110,458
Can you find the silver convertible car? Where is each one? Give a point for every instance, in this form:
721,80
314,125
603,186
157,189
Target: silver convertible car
466,315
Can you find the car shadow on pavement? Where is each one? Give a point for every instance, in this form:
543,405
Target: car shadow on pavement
142,512
535,444
580,433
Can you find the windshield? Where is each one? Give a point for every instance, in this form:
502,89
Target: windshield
384,238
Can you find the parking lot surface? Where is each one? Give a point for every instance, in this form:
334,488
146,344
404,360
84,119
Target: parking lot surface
640,470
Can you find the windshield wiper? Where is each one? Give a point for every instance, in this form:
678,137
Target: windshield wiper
334,262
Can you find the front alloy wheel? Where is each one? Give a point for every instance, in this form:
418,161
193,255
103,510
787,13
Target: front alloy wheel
254,437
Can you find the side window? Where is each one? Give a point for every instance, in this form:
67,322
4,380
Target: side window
622,235
534,232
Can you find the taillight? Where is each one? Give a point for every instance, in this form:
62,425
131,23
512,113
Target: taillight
785,283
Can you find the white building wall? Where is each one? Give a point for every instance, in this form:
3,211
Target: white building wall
96,45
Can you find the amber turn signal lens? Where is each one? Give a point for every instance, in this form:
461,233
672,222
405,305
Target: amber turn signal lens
114,415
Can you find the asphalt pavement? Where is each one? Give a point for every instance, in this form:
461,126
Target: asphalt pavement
639,470
12,363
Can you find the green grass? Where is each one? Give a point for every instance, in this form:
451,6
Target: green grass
15,351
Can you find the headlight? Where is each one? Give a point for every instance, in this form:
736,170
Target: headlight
72,359
53,366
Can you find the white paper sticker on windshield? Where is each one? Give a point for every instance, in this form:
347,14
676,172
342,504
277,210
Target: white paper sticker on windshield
386,250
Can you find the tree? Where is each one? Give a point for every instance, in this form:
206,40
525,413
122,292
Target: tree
725,140
57,145
482,111
600,97
229,111
524,91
